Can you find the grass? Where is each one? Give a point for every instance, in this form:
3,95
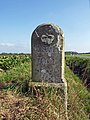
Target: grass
15,76
17,103
27,108
85,54
81,67
78,97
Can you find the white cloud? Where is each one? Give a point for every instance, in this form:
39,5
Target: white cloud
6,44
14,47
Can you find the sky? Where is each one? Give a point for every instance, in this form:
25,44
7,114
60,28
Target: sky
18,19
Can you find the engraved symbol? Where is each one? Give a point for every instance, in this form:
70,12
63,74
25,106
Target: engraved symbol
47,38
36,34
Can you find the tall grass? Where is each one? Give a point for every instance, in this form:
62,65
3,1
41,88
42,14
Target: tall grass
78,97
41,103
81,67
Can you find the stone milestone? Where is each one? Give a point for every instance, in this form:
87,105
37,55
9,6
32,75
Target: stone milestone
48,54
48,63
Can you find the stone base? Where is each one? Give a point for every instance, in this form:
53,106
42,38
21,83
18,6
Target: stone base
55,91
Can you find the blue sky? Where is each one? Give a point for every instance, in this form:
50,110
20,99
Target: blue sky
18,19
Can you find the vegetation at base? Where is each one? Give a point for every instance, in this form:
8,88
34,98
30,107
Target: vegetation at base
17,102
81,67
78,97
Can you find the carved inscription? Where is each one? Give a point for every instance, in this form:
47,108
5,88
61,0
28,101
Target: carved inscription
47,43
47,38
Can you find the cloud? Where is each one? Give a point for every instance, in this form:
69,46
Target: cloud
6,44
15,47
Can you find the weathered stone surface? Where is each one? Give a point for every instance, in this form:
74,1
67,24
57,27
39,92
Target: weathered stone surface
48,54
48,63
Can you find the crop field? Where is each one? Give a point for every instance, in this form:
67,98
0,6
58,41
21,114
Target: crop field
9,61
14,69
17,102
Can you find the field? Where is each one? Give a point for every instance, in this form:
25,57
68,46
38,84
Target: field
17,102
85,54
